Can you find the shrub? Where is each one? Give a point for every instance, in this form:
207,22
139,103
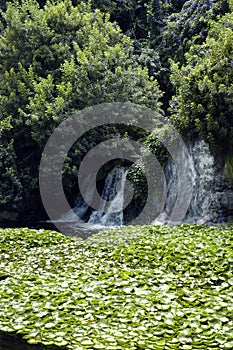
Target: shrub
204,90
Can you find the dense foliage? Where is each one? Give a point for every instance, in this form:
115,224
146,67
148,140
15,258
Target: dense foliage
55,60
204,88
60,56
132,288
163,29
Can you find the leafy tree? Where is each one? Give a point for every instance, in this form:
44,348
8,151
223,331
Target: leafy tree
54,60
192,20
204,90
163,29
175,35
131,15
10,186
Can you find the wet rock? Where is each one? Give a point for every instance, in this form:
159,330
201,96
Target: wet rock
8,216
212,192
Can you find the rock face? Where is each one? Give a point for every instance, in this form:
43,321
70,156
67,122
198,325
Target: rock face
8,216
224,198
212,192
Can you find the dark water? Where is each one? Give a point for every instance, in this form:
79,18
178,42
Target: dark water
72,229
8,342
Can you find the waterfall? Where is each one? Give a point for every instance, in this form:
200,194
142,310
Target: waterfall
211,201
80,207
204,178
113,192
203,174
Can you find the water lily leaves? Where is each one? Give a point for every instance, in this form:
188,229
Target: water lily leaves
33,341
127,288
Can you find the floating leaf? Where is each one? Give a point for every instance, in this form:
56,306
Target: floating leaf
93,295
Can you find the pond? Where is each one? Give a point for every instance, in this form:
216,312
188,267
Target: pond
8,342
73,229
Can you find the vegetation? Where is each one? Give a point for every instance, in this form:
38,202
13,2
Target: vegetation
134,287
60,56
53,61
128,288
204,88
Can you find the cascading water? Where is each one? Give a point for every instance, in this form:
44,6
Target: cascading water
81,206
211,193
113,192
203,174
204,171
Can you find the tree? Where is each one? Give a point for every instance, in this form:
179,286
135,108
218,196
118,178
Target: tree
202,104
177,30
54,60
192,20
